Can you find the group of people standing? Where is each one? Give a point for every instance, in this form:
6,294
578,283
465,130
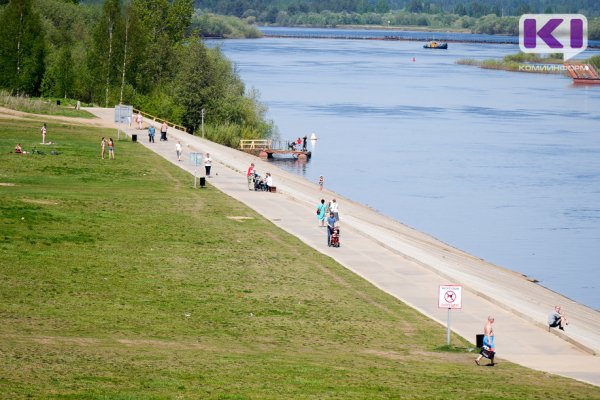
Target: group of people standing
328,213
329,209
110,144
255,182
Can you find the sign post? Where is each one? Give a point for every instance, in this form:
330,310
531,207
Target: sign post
195,160
450,297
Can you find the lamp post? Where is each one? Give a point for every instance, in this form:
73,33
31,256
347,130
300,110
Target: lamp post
202,123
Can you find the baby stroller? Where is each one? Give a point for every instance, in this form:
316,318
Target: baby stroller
258,183
334,239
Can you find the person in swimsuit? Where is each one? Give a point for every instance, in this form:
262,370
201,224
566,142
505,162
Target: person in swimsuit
44,132
103,148
111,149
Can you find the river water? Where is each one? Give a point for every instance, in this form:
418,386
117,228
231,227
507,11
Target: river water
503,165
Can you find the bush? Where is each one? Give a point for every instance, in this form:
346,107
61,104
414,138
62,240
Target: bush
595,61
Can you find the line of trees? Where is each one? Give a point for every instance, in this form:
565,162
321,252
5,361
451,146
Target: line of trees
139,52
269,9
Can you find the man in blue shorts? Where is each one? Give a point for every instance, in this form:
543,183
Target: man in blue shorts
488,349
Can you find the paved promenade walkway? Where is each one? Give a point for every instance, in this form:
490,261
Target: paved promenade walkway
408,264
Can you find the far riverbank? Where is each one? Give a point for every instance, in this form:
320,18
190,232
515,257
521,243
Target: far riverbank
393,34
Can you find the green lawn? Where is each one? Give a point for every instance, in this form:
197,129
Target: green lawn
120,281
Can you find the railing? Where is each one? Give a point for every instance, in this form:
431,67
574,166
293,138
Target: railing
155,118
256,144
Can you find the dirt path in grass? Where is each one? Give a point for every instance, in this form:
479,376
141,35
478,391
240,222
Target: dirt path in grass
7,113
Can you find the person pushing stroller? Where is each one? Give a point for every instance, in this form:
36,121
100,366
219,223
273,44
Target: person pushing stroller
333,232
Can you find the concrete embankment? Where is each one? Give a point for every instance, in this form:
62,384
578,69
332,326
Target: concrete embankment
411,265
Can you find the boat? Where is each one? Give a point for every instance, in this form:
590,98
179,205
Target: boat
584,74
435,45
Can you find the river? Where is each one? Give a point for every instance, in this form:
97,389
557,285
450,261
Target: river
503,165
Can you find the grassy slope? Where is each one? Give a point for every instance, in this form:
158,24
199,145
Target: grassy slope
42,106
119,281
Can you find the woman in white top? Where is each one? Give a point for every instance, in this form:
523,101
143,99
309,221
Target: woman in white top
178,150
269,181
207,164
333,207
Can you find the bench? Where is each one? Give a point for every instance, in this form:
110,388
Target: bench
273,189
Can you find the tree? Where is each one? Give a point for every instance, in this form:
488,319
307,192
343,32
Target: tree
460,9
382,6
193,82
104,56
179,16
59,77
22,48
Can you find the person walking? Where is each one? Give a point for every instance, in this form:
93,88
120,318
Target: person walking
111,149
44,131
139,120
163,131
321,211
103,147
178,150
250,176
489,349
334,208
321,180
151,132
207,164
330,227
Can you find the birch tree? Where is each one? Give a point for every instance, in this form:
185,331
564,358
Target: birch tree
22,48
103,60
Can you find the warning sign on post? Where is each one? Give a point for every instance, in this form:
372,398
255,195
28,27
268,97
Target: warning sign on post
450,296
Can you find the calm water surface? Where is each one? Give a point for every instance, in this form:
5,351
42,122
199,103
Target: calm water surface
503,165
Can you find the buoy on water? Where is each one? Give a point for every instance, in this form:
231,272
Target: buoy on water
414,59
313,136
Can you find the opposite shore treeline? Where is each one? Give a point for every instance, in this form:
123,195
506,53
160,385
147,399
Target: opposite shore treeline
139,52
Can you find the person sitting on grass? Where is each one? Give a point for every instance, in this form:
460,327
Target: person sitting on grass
18,149
557,319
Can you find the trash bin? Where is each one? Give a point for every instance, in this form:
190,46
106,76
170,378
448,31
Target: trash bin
479,341
134,138
58,102
202,181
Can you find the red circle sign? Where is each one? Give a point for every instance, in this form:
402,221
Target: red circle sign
450,296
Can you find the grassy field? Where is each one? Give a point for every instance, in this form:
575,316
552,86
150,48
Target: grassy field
119,281
42,106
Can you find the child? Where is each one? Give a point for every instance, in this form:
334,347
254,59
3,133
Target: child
321,183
